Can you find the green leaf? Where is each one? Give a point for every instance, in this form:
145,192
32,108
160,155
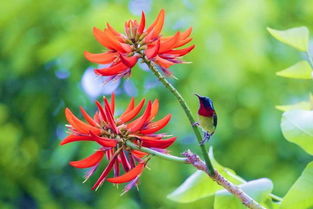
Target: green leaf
297,127
258,189
300,195
195,187
295,37
200,185
296,106
300,70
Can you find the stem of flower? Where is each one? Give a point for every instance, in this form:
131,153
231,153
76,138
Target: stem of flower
185,107
156,153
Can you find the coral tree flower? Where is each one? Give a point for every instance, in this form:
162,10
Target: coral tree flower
111,134
124,50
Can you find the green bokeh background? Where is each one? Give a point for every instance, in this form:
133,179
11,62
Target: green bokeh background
234,63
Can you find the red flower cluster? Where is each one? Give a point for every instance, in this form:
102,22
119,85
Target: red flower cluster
124,50
113,133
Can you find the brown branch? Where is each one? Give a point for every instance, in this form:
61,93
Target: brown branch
235,190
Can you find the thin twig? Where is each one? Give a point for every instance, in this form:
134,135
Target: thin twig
217,177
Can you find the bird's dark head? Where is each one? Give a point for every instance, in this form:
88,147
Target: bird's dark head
206,106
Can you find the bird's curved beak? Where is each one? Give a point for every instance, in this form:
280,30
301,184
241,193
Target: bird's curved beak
198,95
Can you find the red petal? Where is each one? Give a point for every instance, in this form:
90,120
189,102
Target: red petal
154,109
105,172
186,33
79,125
102,112
181,52
115,69
130,106
182,42
157,25
110,115
153,50
131,114
112,105
142,23
124,161
129,61
162,144
89,161
156,126
107,39
101,140
106,142
130,175
115,33
169,44
87,117
139,153
102,58
163,62
139,122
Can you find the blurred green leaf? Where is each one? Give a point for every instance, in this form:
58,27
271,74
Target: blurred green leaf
295,37
195,187
297,127
257,189
297,106
300,70
300,195
200,185
304,105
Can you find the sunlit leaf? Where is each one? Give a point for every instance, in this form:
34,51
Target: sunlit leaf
300,70
257,189
195,187
200,185
297,127
300,195
297,106
295,37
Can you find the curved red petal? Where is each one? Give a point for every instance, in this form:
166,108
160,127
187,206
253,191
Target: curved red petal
87,117
169,44
130,175
138,153
124,161
117,35
182,42
139,122
130,106
129,61
142,24
154,110
105,172
153,50
112,104
131,114
157,25
156,126
89,161
110,115
101,58
79,125
181,52
115,69
162,144
163,62
102,112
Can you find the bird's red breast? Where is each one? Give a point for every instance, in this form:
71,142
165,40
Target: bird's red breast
205,111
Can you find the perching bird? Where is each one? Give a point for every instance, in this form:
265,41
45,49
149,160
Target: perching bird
207,117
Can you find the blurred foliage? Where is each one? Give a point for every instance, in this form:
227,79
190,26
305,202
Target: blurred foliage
42,64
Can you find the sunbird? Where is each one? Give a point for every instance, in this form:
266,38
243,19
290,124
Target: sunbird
207,117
